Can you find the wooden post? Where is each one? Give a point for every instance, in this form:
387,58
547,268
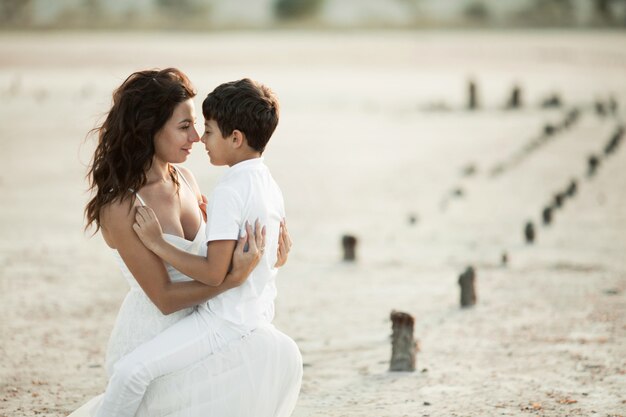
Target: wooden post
529,232
594,162
613,143
553,100
472,101
504,258
349,247
468,290
549,130
571,190
515,101
600,107
403,345
547,215
559,199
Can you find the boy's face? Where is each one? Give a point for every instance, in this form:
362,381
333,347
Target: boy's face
217,146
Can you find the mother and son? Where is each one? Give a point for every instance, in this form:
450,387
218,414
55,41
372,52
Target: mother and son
193,336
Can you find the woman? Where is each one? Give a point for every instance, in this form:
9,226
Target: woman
150,127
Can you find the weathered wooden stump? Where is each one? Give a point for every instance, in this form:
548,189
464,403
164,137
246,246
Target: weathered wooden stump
549,130
619,134
349,247
571,117
403,345
593,164
546,215
469,170
529,232
472,99
551,101
515,100
558,200
614,142
572,189
600,108
468,290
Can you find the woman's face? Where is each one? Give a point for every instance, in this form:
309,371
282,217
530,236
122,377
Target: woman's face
174,141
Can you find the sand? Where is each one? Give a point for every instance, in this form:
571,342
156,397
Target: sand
359,150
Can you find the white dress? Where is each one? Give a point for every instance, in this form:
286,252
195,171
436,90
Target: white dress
258,375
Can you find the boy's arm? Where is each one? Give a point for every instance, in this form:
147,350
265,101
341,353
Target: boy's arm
210,270
149,271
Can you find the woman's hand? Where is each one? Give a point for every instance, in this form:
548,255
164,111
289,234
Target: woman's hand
284,245
248,253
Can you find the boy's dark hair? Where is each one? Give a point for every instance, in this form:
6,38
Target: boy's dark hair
244,105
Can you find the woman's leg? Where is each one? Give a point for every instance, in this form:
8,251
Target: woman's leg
184,343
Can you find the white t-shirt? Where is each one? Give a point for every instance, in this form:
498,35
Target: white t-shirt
246,192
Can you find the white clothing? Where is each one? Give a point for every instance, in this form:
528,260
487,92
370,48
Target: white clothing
247,192
193,363
128,334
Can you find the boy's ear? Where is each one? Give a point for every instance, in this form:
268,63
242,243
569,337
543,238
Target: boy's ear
237,138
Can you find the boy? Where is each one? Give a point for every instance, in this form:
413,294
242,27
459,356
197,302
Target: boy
240,118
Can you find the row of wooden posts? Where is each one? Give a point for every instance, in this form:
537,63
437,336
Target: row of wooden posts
559,199
404,347
548,133
515,100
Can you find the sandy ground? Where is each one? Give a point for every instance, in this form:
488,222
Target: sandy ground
357,151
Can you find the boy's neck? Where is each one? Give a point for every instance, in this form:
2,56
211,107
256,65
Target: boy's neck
244,156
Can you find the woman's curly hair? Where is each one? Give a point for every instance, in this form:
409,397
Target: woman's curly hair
141,106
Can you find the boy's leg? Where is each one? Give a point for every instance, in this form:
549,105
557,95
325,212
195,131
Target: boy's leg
180,345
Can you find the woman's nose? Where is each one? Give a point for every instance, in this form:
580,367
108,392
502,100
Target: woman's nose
194,137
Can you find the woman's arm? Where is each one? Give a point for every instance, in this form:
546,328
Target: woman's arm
150,272
210,269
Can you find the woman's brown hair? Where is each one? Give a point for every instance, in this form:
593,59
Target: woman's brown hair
141,107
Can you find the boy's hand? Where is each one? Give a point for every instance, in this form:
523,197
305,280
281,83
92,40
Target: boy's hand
244,261
147,227
284,245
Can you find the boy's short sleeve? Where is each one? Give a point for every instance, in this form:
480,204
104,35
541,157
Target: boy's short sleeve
224,215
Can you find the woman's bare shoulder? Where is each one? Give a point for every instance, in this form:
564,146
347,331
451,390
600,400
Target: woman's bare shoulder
192,180
116,219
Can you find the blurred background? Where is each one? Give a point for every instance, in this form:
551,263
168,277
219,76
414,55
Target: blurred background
264,14
437,133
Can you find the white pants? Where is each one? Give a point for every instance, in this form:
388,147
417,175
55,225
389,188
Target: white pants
184,343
